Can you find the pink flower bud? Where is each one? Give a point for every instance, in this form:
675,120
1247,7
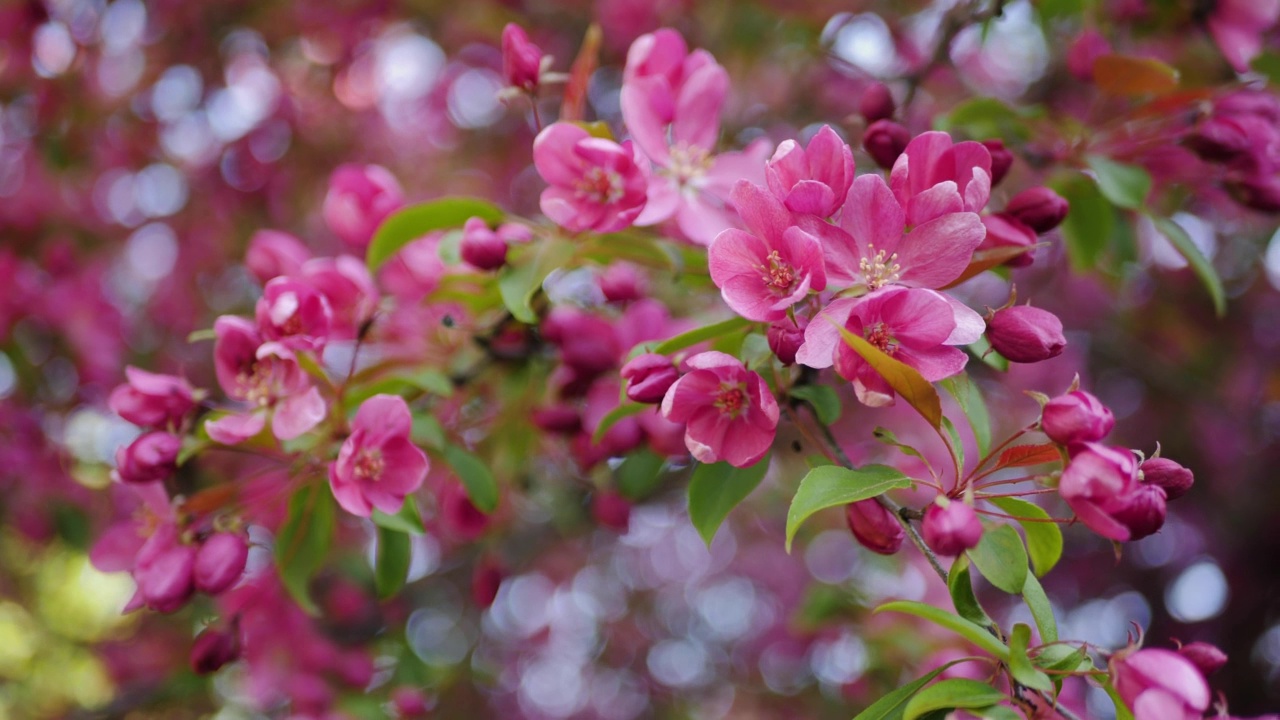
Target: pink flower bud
876,102
1175,479
1004,230
360,197
611,510
410,702
214,648
884,141
152,400
1083,51
622,282
1001,159
1159,684
588,343
1099,483
786,337
1076,417
481,247
1219,139
521,59
273,253
220,562
1143,512
485,581
1207,658
649,375
152,457
165,580
1026,334
1260,192
558,419
1039,208
952,528
874,527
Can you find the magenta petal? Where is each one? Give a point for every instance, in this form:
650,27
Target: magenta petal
969,324
1156,704
971,163
553,154
406,466
804,252
117,548
937,201
700,220
1097,520
925,165
383,417
761,211
298,414
235,429
810,197
936,363
349,495
697,116
734,253
743,444
713,361
705,434
841,256
647,106
663,201
822,336
937,252
728,168
918,318
688,394
869,386
873,216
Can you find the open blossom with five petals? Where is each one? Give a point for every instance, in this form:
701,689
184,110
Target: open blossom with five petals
147,544
294,313
763,272
934,177
349,289
728,411
671,102
814,179
268,377
1099,483
872,246
596,184
915,326
153,400
378,465
360,197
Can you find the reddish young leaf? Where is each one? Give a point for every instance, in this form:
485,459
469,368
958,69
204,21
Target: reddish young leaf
1026,455
573,108
1126,76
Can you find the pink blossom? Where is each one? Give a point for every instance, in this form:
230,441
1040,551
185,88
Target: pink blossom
1238,27
876,102
1076,417
648,377
360,197
1026,334
934,176
785,338
349,289
220,562
951,528
914,326
153,400
521,59
884,140
1039,208
595,184
150,458
273,253
874,527
481,247
164,571
378,464
1004,230
295,314
729,412
1159,684
814,179
1143,512
1175,479
1098,483
136,544
763,272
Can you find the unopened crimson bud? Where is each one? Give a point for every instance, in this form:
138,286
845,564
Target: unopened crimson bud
1175,479
220,562
410,702
1207,658
1261,193
273,253
1076,417
622,282
884,141
215,647
1039,208
165,581
876,102
874,526
1144,511
648,377
521,59
952,528
786,337
1026,334
1001,159
1083,52
611,510
1219,139
558,419
152,457
481,247
152,400
485,581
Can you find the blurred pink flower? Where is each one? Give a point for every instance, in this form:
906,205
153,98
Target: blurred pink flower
729,411
378,464
360,197
150,458
814,179
595,184
153,400
521,59
935,176
273,253
1237,27
1097,483
1159,684
295,314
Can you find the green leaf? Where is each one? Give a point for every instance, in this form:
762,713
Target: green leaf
890,706
639,475
518,282
951,694
475,476
427,431
997,712
957,445
394,551
613,416
904,379
1041,610
970,631
1268,65
1001,558
716,489
1124,185
822,398
1089,226
303,541
406,520
1020,665
411,223
961,586
1063,658
1044,539
832,485
202,335
986,118
702,334
969,397
1200,265
1122,711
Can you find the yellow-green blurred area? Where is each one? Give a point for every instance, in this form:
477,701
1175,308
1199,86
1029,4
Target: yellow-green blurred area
53,608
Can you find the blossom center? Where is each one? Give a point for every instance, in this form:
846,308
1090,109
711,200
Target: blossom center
778,276
879,270
369,465
601,186
732,399
688,163
879,336
256,380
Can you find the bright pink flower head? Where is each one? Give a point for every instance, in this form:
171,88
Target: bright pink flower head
294,313
648,377
1238,26
871,245
481,247
1083,51
935,176
268,377
1159,684
874,527
220,562
360,197
1026,334
1144,511
1098,483
164,572
378,465
152,457
815,179
914,326
595,184
952,528
763,272
1076,417
273,253
152,400
728,410
349,289
521,59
